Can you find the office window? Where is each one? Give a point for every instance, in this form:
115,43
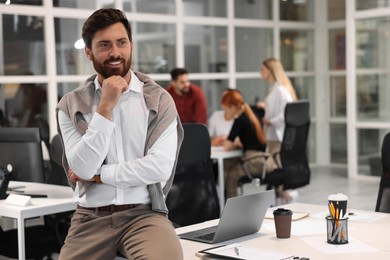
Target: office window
372,43
371,4
150,6
253,90
22,51
372,97
205,48
297,50
336,10
94,5
338,143
70,54
22,2
216,8
338,96
154,47
65,87
297,10
337,51
213,91
22,102
253,9
253,45
305,89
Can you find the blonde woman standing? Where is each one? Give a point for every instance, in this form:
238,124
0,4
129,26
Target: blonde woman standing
280,93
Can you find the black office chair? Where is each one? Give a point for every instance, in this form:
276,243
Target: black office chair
383,200
294,171
193,197
57,173
21,147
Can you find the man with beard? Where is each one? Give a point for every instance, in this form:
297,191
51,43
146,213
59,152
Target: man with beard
189,98
121,135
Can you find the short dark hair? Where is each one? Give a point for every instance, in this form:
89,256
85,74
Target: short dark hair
102,19
176,72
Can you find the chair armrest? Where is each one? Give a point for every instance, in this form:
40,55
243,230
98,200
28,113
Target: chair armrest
255,156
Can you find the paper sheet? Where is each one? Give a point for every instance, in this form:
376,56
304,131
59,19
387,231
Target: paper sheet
244,252
359,216
353,246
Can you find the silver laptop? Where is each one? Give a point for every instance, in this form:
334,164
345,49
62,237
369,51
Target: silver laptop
242,215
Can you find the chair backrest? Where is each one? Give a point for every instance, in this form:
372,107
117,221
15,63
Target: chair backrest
383,200
293,150
193,196
44,129
57,172
21,147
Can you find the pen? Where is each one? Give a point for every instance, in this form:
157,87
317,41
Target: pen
237,251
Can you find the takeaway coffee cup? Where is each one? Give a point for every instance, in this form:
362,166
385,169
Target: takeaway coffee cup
282,219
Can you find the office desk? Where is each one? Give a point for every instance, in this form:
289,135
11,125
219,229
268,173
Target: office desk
374,234
219,154
59,200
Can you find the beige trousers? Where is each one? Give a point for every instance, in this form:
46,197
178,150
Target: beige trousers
137,233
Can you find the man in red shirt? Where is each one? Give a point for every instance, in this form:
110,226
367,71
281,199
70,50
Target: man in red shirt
189,98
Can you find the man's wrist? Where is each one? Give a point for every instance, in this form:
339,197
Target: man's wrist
97,179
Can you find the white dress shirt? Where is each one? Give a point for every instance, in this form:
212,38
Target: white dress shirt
127,171
276,101
218,125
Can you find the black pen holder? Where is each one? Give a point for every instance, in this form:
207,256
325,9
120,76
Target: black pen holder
337,231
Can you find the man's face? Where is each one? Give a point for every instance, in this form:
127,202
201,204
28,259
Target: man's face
181,84
111,52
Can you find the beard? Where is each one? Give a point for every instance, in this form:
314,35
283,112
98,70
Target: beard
107,72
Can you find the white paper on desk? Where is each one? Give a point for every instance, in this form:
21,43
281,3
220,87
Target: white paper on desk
358,216
353,246
248,253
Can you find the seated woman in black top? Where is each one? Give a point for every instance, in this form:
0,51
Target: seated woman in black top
247,127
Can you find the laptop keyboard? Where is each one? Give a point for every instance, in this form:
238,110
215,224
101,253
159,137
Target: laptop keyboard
208,236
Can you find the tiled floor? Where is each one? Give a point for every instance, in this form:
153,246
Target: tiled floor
362,194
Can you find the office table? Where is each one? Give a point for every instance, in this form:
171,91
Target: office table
59,199
373,233
219,154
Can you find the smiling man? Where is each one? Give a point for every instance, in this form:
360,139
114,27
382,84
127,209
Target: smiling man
121,135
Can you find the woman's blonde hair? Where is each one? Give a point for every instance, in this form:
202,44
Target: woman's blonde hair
279,75
234,99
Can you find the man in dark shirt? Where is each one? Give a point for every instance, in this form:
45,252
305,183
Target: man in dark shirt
189,98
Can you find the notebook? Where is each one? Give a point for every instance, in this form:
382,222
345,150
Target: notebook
242,215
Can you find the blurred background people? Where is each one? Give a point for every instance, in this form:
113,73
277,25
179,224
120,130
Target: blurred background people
220,123
189,98
247,127
280,93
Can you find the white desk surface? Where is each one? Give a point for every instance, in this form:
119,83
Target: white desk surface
373,234
217,153
59,199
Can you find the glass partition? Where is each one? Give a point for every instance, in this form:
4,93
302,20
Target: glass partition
297,10
253,9
94,5
371,4
297,50
338,96
214,8
253,90
336,10
155,47
305,89
338,143
20,103
253,45
205,48
150,6
22,51
337,51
